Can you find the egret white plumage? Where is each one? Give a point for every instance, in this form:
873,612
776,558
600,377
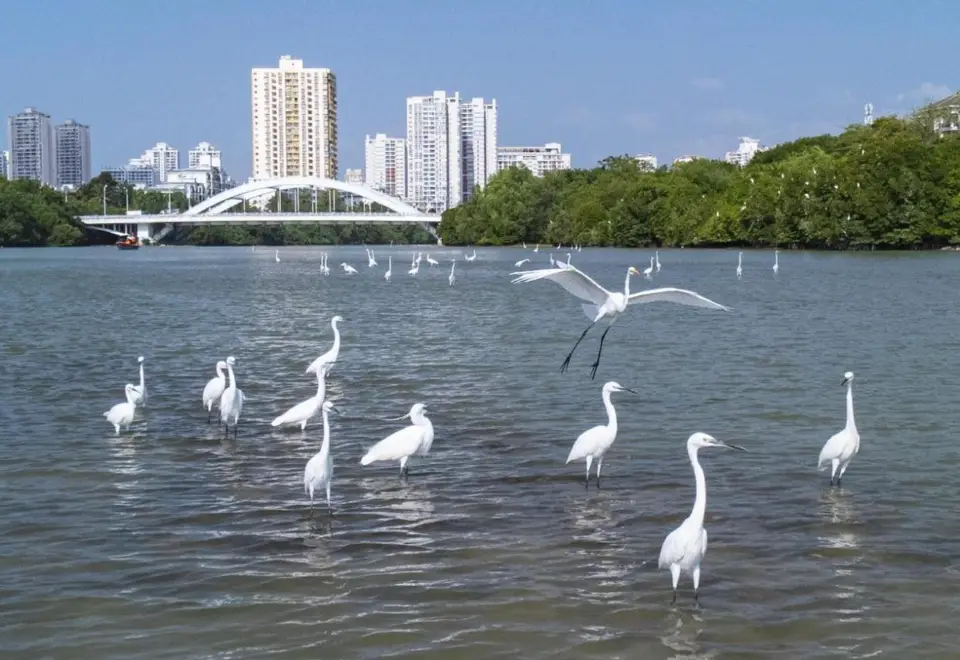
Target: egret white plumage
318,472
324,268
842,447
347,268
739,265
214,388
684,548
452,277
648,271
471,257
303,411
414,266
121,415
276,255
593,443
414,440
371,261
657,256
389,272
328,359
776,261
140,391
520,263
431,261
536,248
606,304
231,401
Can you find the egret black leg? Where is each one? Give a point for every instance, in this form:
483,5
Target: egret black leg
209,412
566,362
673,602
596,365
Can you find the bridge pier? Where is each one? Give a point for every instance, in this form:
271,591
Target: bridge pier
145,232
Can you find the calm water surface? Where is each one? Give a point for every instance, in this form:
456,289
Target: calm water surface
169,542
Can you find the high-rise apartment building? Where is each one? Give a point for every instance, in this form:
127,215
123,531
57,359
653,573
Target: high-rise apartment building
73,154
434,179
5,164
32,147
539,160
478,150
746,150
385,164
203,156
161,157
294,121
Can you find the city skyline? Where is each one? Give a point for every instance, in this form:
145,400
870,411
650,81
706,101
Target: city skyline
688,103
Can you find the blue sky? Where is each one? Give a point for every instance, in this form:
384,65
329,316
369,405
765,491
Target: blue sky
602,77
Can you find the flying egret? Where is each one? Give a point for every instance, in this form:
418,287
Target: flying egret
431,261
657,255
739,265
607,304
140,391
594,443
648,271
684,547
121,415
389,272
776,261
303,411
214,388
319,470
452,277
400,446
471,257
328,359
520,263
231,402
347,268
371,261
842,447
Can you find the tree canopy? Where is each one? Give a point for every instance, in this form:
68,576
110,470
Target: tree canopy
892,185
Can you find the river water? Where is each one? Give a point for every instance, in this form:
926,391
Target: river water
170,542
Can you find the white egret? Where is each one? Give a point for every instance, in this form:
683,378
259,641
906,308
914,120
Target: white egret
739,265
431,261
537,248
648,271
684,547
552,263
410,441
842,447
594,443
324,268
347,268
276,255
231,402
214,388
414,267
657,255
303,411
389,272
471,257
328,359
140,391
452,277
776,261
121,415
319,470
524,244
606,304
520,263
371,261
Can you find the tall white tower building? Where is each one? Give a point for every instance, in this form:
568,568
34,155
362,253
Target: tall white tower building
73,154
33,152
478,137
204,156
162,158
294,121
385,164
434,152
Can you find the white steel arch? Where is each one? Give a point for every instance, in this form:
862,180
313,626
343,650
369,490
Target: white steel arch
222,201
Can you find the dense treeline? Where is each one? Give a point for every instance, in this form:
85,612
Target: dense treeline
895,184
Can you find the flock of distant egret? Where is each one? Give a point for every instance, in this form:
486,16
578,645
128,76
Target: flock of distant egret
682,550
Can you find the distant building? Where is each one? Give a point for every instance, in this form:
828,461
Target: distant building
539,160
385,164
353,175
646,161
5,164
478,144
162,158
73,154
204,156
434,173
136,174
32,147
294,121
747,149
196,184
685,159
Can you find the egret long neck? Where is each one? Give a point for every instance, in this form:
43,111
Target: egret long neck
336,337
233,379
851,423
626,286
700,503
611,412
220,374
325,445
321,386
141,375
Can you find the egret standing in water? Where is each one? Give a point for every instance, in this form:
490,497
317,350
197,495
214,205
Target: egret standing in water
410,441
842,447
121,415
214,388
319,470
739,265
348,269
452,277
594,443
606,304
140,391
684,547
303,411
776,261
231,402
328,359
389,272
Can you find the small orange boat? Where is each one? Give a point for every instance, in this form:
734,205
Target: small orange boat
128,243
